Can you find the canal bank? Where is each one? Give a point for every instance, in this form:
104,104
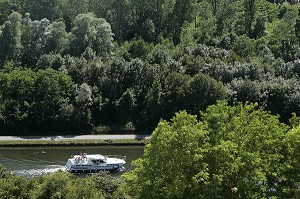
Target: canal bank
80,140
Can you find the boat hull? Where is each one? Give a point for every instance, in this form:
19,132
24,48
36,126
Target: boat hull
93,170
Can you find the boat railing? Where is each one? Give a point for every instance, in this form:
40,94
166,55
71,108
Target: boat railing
116,156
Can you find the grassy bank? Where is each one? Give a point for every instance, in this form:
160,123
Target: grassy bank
119,142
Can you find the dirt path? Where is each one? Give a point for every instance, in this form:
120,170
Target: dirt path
71,137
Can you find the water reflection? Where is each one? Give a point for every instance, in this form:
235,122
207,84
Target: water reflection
34,161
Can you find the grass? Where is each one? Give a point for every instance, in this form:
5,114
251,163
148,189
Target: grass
25,143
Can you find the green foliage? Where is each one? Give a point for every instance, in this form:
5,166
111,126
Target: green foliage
60,185
172,161
243,46
10,39
204,91
241,146
13,187
89,31
147,54
292,177
101,130
33,100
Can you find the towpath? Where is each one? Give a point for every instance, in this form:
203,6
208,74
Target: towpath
77,137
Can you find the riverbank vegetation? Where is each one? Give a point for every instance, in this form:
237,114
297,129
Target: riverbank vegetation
237,151
122,65
59,185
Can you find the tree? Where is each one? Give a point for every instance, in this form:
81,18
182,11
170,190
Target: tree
224,11
230,147
10,39
175,94
58,41
201,29
13,187
64,185
120,19
259,27
172,166
254,154
7,7
34,39
292,143
204,91
40,9
33,100
250,9
89,31
183,12
154,104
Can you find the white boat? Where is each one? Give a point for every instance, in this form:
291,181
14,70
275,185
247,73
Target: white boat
93,163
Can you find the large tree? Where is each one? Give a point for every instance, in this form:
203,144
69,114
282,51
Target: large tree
231,152
89,31
10,39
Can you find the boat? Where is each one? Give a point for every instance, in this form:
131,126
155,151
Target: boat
85,163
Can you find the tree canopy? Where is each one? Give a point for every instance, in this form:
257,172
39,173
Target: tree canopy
240,151
136,62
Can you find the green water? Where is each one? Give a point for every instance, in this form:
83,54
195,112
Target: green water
34,161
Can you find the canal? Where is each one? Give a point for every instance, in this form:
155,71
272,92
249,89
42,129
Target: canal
34,161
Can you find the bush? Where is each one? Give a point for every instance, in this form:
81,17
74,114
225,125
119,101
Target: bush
101,129
128,127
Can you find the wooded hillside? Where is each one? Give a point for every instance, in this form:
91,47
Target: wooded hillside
122,65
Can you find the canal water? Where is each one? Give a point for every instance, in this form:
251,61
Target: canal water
34,161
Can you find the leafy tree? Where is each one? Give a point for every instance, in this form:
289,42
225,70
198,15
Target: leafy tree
154,101
204,91
201,29
172,166
40,9
58,41
54,61
89,31
3,172
259,27
243,46
291,182
78,188
224,12
7,7
10,39
34,39
282,40
245,91
183,12
52,91
175,93
118,13
82,113
33,100
230,147
250,9
107,185
13,187
64,185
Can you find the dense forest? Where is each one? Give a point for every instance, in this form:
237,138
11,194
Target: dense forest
69,66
